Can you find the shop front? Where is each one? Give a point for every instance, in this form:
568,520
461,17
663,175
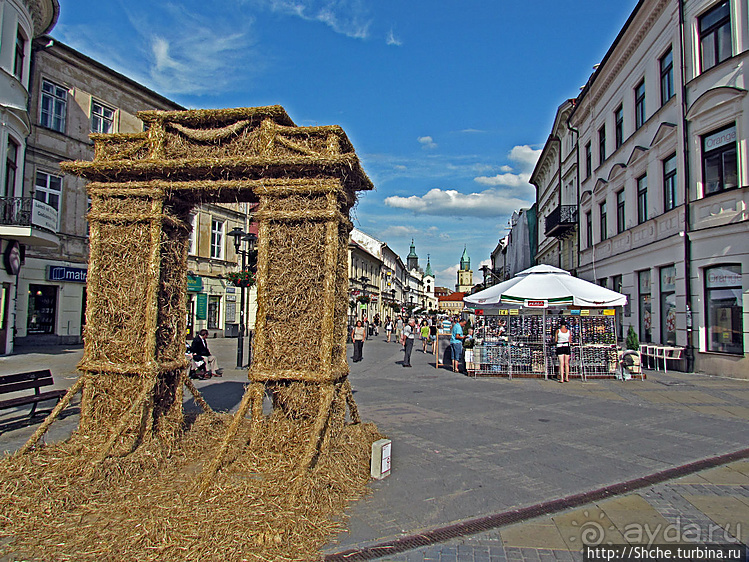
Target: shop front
51,306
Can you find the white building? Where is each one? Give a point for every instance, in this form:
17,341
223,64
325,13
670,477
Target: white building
23,221
662,129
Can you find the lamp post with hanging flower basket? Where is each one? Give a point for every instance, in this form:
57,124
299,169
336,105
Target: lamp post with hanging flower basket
243,279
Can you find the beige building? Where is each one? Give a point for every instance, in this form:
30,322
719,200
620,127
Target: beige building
72,96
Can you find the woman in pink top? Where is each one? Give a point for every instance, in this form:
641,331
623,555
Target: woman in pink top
357,336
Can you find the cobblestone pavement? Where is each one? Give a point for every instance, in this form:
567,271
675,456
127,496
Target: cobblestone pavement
466,448
709,507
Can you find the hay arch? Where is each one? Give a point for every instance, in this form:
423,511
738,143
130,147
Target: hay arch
143,187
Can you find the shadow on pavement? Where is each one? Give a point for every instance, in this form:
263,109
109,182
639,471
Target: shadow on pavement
221,396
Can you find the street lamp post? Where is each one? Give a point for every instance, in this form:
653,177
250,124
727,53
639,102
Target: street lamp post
364,280
239,237
487,270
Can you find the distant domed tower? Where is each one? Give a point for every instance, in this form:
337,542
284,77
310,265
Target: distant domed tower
412,261
465,275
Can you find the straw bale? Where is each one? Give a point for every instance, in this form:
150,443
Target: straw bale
145,506
120,295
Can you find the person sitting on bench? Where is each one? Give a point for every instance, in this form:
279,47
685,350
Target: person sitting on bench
199,349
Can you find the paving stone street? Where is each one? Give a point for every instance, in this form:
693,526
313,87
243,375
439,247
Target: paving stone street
467,448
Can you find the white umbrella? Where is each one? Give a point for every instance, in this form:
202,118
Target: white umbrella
542,286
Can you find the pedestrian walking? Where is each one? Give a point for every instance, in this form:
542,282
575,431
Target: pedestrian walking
389,328
408,341
424,333
398,328
433,336
563,340
357,336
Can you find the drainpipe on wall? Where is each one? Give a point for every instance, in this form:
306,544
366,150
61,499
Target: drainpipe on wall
687,242
560,242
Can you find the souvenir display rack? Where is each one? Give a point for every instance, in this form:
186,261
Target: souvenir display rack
519,343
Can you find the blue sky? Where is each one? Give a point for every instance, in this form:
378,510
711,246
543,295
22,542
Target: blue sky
447,103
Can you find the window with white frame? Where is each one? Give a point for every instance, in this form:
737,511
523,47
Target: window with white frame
640,116
589,228
715,36
193,235
102,118
667,76
719,165
620,217
588,160
217,239
642,199
669,183
20,54
54,106
48,189
619,126
11,165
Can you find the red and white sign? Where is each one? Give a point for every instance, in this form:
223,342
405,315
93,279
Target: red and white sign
536,304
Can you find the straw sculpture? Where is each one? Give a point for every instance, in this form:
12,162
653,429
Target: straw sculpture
138,480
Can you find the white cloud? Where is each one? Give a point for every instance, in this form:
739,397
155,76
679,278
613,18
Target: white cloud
451,202
472,131
427,142
508,179
526,158
347,17
391,39
173,50
399,232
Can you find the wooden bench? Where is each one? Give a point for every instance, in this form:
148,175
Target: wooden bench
27,381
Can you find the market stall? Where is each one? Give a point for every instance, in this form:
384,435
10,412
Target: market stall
516,321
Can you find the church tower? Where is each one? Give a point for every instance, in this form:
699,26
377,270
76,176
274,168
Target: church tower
465,275
412,261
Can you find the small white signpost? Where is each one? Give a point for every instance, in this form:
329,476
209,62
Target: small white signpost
380,463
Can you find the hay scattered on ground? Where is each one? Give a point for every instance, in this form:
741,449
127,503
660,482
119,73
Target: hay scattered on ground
56,505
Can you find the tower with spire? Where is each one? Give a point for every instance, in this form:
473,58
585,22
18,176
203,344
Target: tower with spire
465,275
412,261
429,285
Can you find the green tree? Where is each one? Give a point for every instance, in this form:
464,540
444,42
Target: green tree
633,342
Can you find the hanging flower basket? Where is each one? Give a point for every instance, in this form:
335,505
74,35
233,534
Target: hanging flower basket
363,299
241,278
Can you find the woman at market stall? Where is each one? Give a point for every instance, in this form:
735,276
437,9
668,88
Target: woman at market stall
563,340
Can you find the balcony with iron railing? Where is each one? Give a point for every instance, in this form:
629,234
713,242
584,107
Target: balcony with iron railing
28,220
561,222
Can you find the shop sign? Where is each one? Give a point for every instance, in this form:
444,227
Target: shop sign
503,312
479,311
514,312
64,273
720,277
536,304
201,307
609,312
230,289
720,138
231,298
194,283
44,215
